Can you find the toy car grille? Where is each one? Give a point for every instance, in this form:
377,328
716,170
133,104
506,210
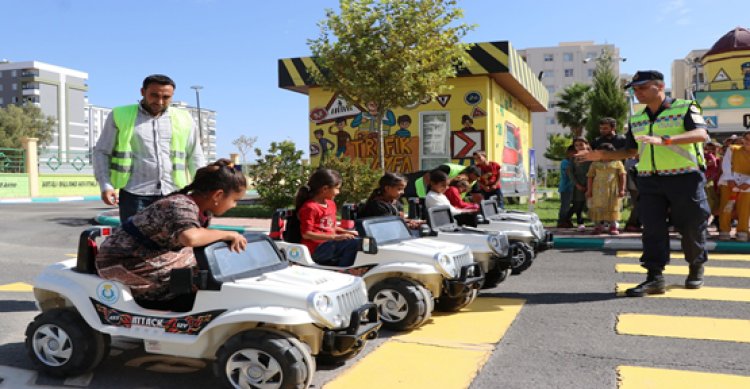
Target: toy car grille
463,259
351,299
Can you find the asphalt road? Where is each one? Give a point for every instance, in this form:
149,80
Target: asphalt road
563,337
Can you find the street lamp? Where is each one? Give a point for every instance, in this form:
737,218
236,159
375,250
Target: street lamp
696,63
197,89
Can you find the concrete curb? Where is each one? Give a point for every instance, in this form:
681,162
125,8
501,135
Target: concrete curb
635,244
114,221
26,200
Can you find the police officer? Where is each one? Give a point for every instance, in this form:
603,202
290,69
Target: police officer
667,135
146,150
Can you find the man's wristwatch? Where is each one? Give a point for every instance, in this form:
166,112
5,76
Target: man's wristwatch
666,140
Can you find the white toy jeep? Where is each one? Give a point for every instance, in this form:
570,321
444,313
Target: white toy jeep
490,248
260,319
404,273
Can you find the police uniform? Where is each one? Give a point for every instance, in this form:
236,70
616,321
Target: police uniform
670,183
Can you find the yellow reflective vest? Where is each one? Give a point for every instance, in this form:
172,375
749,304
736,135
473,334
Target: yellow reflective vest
663,159
121,163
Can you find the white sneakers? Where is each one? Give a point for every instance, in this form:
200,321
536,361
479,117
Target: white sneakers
742,237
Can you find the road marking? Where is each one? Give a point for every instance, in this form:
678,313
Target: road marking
446,353
688,327
679,255
636,377
704,293
683,270
16,287
71,255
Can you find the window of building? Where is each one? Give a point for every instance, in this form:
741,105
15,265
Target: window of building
591,55
549,57
13,73
1,101
551,104
548,74
568,72
434,142
550,120
568,57
590,73
14,86
14,100
551,89
1,87
1,74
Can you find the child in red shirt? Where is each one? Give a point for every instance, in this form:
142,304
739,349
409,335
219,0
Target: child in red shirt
455,194
329,245
489,181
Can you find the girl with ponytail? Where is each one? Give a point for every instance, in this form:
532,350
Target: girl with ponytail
161,237
328,243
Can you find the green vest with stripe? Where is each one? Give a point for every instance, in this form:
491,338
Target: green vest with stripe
663,159
121,163
455,169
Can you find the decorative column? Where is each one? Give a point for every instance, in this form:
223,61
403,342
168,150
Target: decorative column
32,164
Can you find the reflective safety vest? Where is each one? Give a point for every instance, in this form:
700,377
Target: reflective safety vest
121,163
455,169
662,159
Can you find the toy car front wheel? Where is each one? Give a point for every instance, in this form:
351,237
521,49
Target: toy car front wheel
401,302
60,343
453,304
495,276
523,256
261,359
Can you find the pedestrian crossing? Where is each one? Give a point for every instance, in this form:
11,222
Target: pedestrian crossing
732,327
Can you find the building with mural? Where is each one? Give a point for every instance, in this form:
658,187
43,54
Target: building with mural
488,108
725,96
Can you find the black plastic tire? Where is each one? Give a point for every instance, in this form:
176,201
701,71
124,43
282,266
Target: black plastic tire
495,276
523,257
401,303
261,358
454,304
60,343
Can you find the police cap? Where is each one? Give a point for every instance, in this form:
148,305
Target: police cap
644,76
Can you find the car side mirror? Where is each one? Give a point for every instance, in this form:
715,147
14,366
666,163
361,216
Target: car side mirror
425,230
368,245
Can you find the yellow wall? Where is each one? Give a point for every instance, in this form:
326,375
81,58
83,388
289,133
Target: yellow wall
724,71
495,113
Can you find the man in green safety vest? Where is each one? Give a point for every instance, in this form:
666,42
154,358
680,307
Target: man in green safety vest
667,136
146,150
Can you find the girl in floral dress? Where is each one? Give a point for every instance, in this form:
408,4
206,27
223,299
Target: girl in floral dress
605,189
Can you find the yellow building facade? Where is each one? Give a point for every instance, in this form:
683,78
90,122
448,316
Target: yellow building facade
488,108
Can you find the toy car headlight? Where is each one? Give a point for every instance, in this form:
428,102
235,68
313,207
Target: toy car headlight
323,303
445,261
536,230
498,243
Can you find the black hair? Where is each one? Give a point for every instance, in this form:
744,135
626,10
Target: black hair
465,118
388,179
158,79
445,169
320,178
608,120
570,148
340,120
403,118
472,170
318,132
437,176
218,175
606,146
460,183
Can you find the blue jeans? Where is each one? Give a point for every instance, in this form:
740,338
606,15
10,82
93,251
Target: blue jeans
130,204
498,193
337,252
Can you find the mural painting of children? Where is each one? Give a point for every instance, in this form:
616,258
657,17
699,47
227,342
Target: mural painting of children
389,119
342,137
404,121
325,144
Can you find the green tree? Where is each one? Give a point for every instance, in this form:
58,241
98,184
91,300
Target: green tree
607,97
17,122
389,52
278,174
573,108
358,179
558,144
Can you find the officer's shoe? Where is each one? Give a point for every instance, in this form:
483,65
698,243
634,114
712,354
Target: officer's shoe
654,284
695,277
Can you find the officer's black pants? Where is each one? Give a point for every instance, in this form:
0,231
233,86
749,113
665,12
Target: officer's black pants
680,198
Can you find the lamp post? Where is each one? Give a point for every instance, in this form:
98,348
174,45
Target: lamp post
695,63
197,89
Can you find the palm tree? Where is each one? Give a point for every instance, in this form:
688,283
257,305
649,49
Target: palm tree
573,108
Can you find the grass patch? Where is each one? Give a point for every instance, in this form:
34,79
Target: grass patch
250,211
548,208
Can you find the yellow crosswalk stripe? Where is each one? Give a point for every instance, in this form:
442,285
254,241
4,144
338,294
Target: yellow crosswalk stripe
688,327
637,377
683,270
16,287
71,255
679,255
704,293
446,353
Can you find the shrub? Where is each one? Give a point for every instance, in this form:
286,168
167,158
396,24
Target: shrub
358,178
278,174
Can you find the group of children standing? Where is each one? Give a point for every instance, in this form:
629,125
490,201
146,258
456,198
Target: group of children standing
596,186
728,185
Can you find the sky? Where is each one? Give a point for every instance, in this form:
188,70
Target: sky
231,47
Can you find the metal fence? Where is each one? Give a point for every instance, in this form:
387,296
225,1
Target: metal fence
12,160
67,162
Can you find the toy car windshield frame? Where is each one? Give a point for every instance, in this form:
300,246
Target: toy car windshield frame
384,229
489,209
260,256
441,218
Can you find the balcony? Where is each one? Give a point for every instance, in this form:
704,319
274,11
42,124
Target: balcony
30,73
